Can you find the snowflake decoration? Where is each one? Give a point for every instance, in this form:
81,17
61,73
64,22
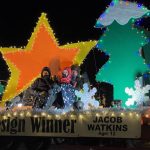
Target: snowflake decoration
138,95
87,96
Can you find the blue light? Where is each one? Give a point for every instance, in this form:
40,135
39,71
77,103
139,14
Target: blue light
103,15
99,46
148,40
139,5
106,65
145,75
137,23
106,54
137,53
148,65
112,4
98,25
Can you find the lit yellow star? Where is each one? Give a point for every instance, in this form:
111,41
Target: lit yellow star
42,49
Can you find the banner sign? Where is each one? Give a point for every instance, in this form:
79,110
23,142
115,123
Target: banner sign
81,125
111,126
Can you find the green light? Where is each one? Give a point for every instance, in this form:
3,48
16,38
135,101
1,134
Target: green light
148,14
142,43
107,10
133,20
116,1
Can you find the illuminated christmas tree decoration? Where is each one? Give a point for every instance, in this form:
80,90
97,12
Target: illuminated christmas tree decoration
121,12
138,95
25,64
122,42
87,96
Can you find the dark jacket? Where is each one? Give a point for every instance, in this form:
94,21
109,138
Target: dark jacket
44,83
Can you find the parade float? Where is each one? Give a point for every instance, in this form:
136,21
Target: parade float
85,112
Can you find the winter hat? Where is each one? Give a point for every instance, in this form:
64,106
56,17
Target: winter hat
75,67
46,69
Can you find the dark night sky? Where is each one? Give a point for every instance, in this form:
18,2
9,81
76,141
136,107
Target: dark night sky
71,20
